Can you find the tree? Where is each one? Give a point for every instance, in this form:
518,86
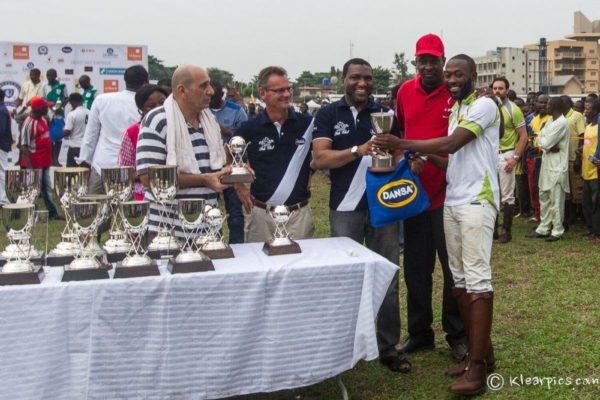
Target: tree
220,75
381,80
401,68
157,70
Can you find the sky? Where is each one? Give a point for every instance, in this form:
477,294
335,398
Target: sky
243,36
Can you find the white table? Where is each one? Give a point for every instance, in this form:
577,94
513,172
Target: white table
256,324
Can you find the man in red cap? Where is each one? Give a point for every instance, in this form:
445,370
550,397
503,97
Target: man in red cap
35,145
422,107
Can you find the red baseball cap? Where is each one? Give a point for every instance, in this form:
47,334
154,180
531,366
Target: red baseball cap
430,44
37,103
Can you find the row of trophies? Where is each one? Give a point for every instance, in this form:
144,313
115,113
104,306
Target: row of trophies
79,252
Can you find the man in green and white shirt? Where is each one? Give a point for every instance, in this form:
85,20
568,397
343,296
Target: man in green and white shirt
512,147
88,92
470,209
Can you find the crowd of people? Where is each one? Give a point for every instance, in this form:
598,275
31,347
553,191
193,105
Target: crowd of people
476,152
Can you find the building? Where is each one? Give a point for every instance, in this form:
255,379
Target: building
315,91
518,65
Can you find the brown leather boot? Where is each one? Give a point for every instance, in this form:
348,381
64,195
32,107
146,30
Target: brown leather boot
474,380
506,236
462,299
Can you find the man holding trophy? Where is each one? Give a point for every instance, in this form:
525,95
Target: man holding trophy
342,143
184,133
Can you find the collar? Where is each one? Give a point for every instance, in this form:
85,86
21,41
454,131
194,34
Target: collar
371,105
569,113
468,100
435,91
264,119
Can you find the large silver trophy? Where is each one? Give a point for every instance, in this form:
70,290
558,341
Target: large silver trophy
135,221
18,219
210,240
70,183
86,216
381,123
105,213
22,185
118,184
191,218
281,242
237,147
163,185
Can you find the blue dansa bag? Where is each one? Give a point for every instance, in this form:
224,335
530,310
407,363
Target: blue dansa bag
395,195
56,129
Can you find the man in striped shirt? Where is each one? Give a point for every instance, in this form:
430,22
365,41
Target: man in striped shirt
191,92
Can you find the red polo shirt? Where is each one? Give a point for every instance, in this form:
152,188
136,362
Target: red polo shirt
423,115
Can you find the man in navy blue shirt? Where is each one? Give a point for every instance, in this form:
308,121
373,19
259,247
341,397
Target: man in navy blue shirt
230,117
341,140
279,152
6,142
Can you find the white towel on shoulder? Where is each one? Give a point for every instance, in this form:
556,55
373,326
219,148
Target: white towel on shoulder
180,151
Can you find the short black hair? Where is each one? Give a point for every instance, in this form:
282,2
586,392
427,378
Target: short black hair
567,100
143,93
469,60
135,76
2,95
592,95
595,106
35,71
501,79
76,98
511,94
519,102
164,82
558,104
354,61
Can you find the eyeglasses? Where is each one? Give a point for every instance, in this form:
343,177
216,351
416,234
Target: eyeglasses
281,90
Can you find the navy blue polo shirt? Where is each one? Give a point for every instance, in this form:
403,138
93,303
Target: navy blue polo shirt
336,122
271,154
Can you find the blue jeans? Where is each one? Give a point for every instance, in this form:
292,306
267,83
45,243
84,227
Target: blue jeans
46,193
235,218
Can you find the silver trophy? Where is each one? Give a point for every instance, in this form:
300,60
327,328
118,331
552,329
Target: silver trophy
281,242
87,215
210,240
163,185
117,183
237,147
70,183
23,185
105,213
135,221
18,220
190,259
381,123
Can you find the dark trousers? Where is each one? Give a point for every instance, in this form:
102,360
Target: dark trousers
591,206
71,154
235,215
55,152
423,239
522,185
46,193
383,241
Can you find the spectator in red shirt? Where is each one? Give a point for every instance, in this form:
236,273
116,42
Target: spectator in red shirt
422,107
35,145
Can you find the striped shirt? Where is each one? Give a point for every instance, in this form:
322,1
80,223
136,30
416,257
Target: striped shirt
152,150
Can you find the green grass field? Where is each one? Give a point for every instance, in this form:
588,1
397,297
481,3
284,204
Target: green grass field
546,323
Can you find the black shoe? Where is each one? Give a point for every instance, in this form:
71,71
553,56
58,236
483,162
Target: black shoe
414,344
536,235
56,218
459,351
552,238
396,363
586,233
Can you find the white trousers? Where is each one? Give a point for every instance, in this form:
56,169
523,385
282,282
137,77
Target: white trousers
506,179
552,211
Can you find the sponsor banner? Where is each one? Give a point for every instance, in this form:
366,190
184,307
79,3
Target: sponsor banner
105,64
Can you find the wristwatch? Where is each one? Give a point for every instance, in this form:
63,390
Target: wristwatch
516,157
354,151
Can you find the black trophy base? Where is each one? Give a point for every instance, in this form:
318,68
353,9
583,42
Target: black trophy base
237,178
291,248
162,254
115,257
217,254
58,261
85,274
36,261
175,267
34,277
136,271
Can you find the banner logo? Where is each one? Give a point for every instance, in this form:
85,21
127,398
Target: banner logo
112,71
30,65
11,91
397,193
42,50
111,85
134,54
110,53
67,49
20,52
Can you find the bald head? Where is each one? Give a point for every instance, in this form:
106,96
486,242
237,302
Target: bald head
191,88
184,75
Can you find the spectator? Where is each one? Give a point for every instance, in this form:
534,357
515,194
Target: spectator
6,141
89,93
74,129
165,85
33,87
589,173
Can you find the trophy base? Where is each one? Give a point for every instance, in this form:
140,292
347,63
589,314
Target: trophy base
271,249
136,271
217,254
162,254
237,178
382,164
35,260
58,261
34,277
185,267
115,257
85,274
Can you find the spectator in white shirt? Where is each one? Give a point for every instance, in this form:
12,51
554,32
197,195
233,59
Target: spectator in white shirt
74,129
110,116
30,88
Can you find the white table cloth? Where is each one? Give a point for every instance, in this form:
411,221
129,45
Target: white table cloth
256,324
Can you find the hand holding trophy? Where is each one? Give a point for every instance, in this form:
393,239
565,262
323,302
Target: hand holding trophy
381,123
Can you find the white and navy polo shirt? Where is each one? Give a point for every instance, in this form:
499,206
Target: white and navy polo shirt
152,150
280,157
345,127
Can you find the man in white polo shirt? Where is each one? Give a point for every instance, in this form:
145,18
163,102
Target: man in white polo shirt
74,129
470,208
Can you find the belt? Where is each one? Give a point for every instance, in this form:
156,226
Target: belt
293,207
506,151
